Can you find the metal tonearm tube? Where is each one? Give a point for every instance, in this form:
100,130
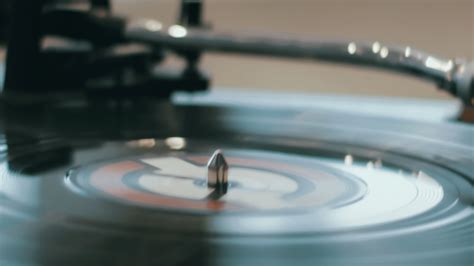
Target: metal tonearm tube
454,76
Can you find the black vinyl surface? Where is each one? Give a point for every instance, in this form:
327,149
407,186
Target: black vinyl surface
44,220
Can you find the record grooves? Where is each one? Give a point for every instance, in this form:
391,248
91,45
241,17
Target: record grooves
324,195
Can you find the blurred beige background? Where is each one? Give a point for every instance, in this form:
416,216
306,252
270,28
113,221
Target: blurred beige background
443,27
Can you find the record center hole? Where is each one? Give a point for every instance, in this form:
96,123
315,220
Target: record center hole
203,183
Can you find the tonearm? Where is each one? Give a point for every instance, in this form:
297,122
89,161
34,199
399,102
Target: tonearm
190,37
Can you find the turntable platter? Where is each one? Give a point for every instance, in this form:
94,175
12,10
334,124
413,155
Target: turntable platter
127,185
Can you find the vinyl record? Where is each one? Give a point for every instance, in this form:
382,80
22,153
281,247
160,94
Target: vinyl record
127,184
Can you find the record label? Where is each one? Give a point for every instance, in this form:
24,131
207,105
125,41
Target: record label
179,183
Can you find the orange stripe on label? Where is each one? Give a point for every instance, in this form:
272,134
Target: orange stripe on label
108,179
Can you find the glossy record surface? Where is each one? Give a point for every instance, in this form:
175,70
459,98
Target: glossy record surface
125,184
